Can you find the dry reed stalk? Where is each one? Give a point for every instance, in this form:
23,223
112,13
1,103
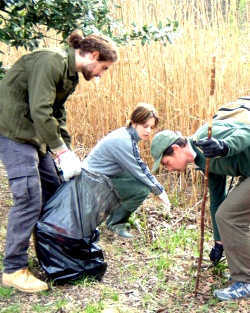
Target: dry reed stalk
209,135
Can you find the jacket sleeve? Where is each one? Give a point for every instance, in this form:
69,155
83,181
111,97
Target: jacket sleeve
236,135
128,157
60,116
43,78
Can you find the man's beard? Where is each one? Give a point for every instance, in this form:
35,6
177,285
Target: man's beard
87,74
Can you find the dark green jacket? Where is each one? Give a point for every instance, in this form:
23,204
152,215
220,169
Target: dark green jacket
32,96
235,163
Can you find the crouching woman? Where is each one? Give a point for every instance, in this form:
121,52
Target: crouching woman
117,156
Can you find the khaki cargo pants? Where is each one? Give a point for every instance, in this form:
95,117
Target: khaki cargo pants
233,220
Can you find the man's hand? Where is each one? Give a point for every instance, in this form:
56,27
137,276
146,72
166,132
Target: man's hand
70,164
213,148
163,198
216,253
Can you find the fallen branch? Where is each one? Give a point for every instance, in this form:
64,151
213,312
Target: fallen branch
144,290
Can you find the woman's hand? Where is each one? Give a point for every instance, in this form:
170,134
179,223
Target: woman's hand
163,198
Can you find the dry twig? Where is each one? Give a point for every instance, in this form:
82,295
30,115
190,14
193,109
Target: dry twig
210,111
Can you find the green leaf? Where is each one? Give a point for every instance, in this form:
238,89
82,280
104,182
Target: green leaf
144,40
22,21
176,24
169,39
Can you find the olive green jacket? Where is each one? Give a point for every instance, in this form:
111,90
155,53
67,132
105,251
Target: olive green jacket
32,96
235,163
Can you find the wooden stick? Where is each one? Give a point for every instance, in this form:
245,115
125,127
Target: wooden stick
210,115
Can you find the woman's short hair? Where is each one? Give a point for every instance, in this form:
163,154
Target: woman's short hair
104,45
142,113
181,142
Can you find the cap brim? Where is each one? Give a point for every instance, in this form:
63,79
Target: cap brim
156,164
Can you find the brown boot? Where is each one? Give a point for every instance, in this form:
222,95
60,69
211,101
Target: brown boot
24,281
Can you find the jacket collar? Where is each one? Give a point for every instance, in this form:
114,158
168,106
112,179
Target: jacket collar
133,133
191,146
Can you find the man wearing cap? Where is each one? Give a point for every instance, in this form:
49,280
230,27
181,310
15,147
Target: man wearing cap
229,150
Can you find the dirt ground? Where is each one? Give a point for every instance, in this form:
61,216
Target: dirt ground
123,258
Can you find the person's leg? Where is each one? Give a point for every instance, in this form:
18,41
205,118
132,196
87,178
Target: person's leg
50,180
21,163
217,250
233,221
133,193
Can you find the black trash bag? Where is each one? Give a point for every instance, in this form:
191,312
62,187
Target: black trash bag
66,234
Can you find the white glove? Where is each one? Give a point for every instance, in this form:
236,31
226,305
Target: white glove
70,164
163,198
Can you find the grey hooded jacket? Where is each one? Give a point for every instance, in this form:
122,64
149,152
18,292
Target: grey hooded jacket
118,153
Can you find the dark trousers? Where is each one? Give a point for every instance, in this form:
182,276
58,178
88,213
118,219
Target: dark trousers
132,193
233,219
32,179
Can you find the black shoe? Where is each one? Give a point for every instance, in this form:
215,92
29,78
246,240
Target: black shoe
216,253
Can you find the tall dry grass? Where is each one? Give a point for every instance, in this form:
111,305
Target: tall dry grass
175,79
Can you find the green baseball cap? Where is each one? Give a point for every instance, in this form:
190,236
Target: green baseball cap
160,143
